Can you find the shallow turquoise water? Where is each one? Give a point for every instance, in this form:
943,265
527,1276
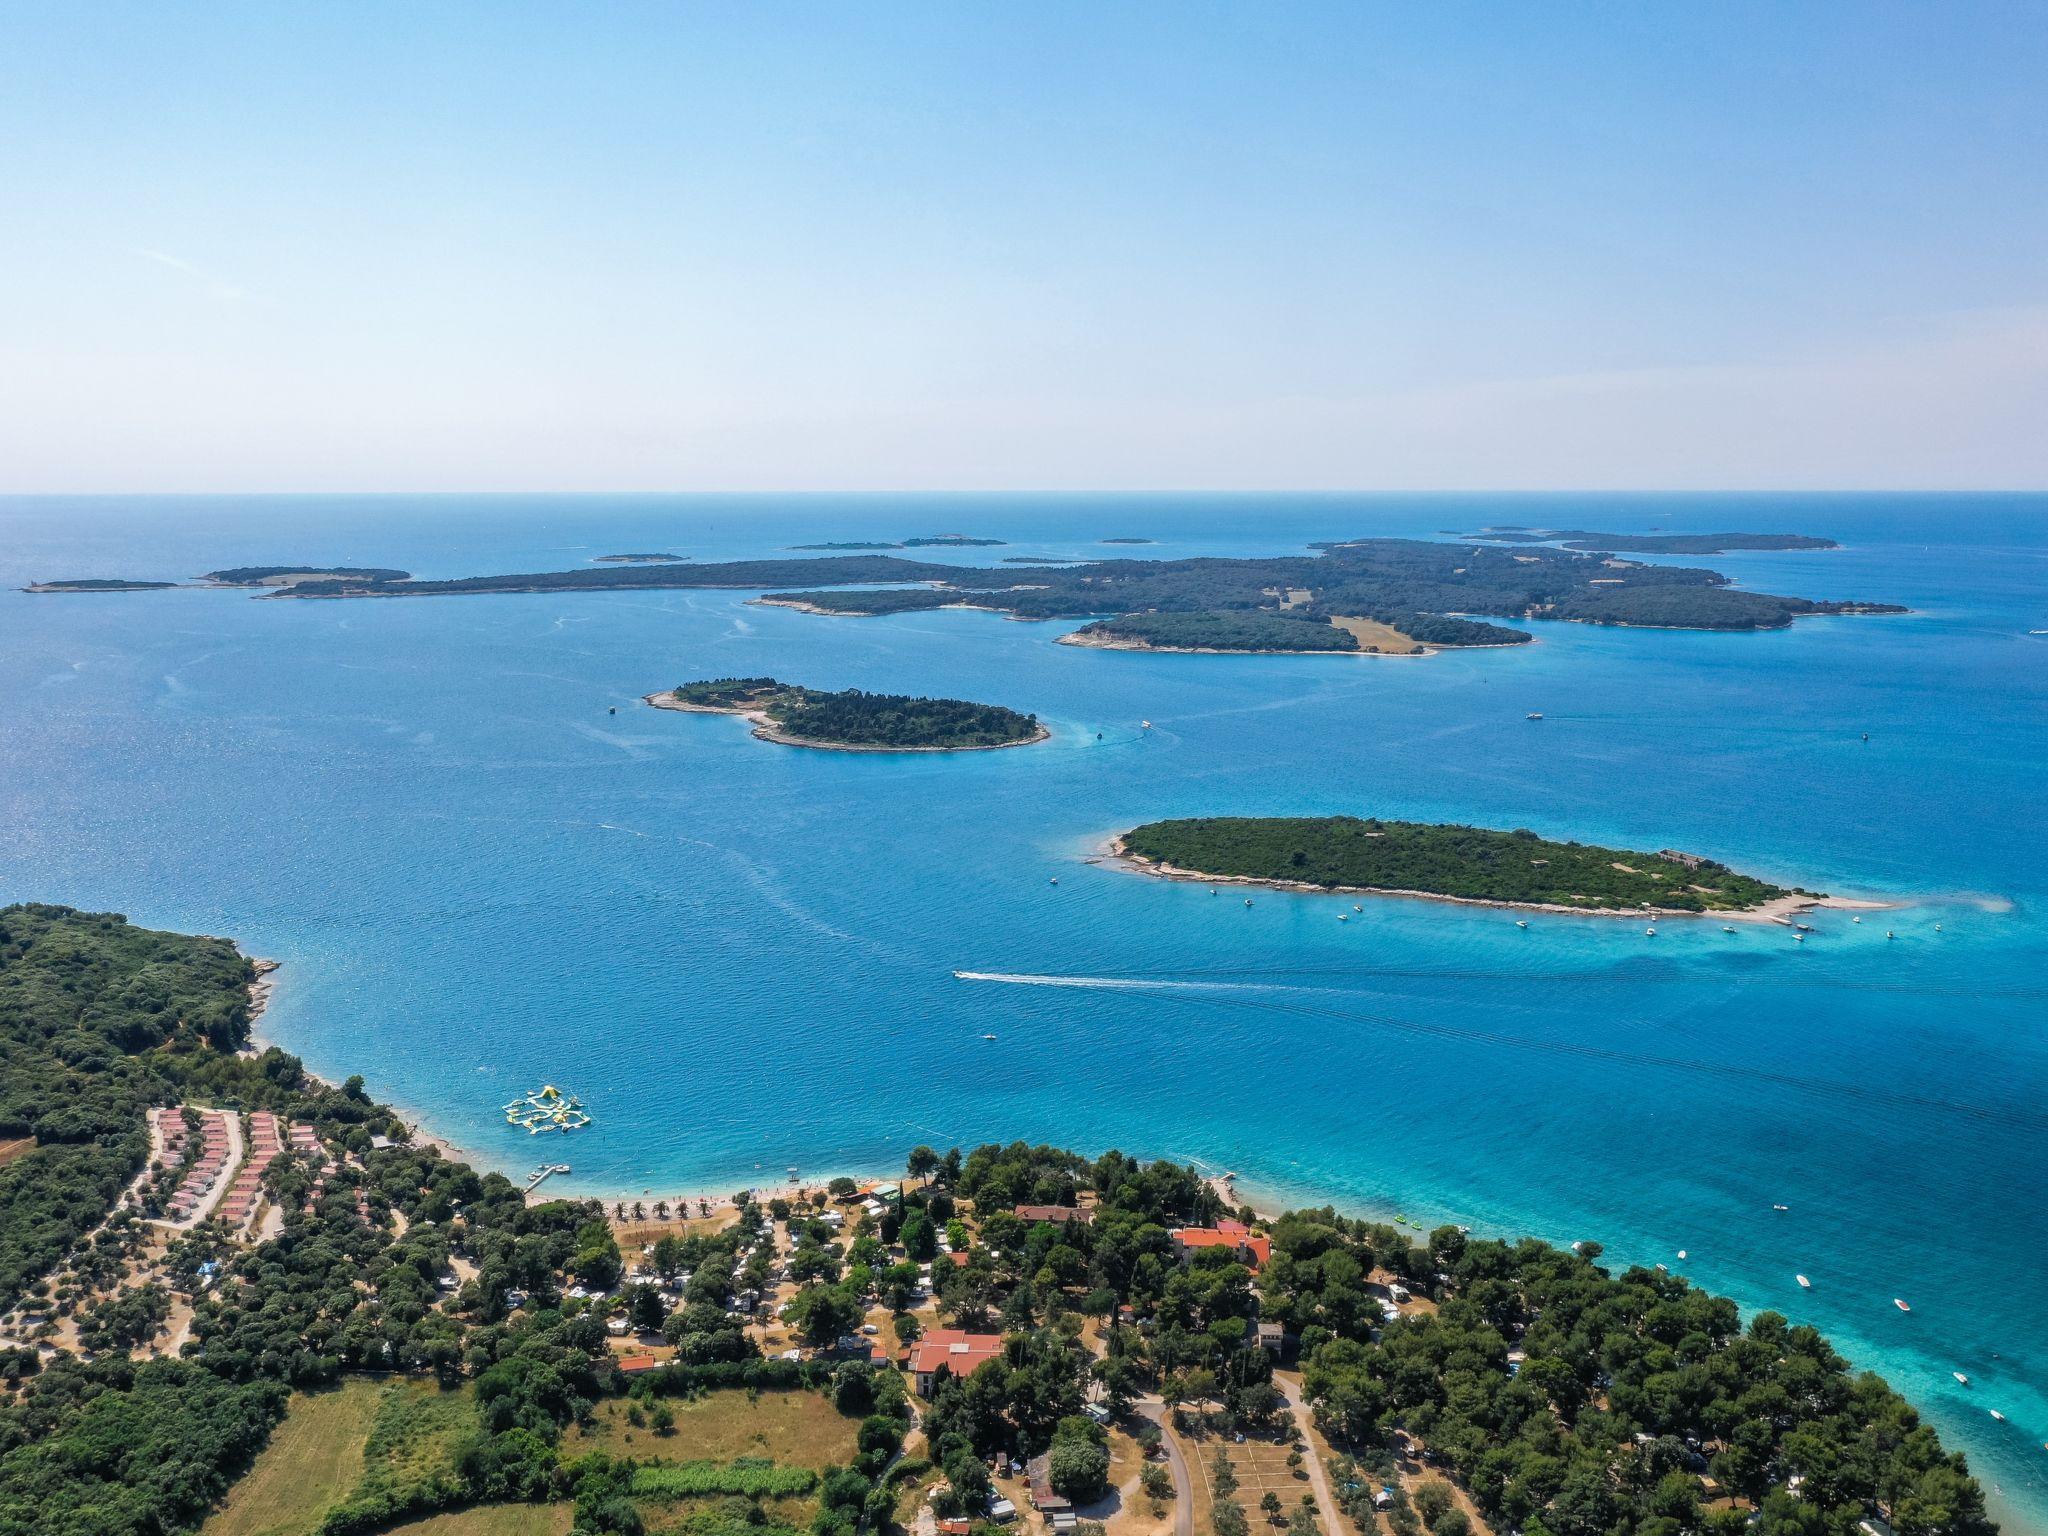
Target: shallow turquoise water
742,956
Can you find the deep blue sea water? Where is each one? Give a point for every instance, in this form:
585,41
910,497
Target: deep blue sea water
742,955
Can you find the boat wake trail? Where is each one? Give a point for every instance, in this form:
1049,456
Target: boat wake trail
1122,983
2019,1117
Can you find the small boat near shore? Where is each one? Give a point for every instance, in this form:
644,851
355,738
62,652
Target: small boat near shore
1804,1283
1961,1379
1900,1303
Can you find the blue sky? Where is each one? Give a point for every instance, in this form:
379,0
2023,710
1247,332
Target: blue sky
1044,245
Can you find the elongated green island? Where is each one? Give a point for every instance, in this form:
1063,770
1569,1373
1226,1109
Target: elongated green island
853,720
1413,858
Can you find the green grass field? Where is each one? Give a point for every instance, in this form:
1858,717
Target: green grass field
793,1429
495,1520
314,1457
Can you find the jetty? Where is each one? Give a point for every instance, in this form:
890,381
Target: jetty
540,1175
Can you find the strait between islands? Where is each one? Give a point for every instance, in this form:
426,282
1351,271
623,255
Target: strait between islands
1476,865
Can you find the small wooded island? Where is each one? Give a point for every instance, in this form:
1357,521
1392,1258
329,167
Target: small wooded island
1350,853
853,720
98,584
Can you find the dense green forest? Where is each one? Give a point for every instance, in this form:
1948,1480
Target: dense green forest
1469,862
1654,543
1569,1401
1403,582
854,718
1290,629
98,1020
256,575
1241,629
99,584
873,600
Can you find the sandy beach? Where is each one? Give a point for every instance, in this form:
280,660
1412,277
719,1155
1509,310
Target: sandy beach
765,730
1780,910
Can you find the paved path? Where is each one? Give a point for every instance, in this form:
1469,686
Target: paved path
1318,1478
1183,1485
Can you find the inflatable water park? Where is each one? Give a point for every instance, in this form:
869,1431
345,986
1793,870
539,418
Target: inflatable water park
549,1109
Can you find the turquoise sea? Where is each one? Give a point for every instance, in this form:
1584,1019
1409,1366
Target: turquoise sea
742,956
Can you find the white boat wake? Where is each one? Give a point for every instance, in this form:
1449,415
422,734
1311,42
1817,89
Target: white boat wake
1120,983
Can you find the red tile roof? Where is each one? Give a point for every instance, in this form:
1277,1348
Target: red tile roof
960,1352
633,1365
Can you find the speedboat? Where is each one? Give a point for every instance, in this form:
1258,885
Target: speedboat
1900,1303
1804,1283
1960,1378
1532,715
1781,1207
1519,923
1649,933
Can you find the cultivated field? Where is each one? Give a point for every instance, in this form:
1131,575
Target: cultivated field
793,1429
314,1457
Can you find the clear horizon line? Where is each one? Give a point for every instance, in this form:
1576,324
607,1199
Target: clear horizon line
813,491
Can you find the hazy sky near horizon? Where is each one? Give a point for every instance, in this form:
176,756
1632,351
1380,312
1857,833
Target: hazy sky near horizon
676,246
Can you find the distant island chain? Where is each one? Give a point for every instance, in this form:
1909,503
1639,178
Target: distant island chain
1355,596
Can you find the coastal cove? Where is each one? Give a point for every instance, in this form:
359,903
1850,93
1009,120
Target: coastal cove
741,960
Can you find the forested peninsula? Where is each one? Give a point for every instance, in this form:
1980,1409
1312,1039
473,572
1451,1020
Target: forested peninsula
1430,593
853,720
405,1336
1652,543
1350,853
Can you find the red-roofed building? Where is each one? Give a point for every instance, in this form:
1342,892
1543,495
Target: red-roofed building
959,1352
634,1365
959,1257
1250,1248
